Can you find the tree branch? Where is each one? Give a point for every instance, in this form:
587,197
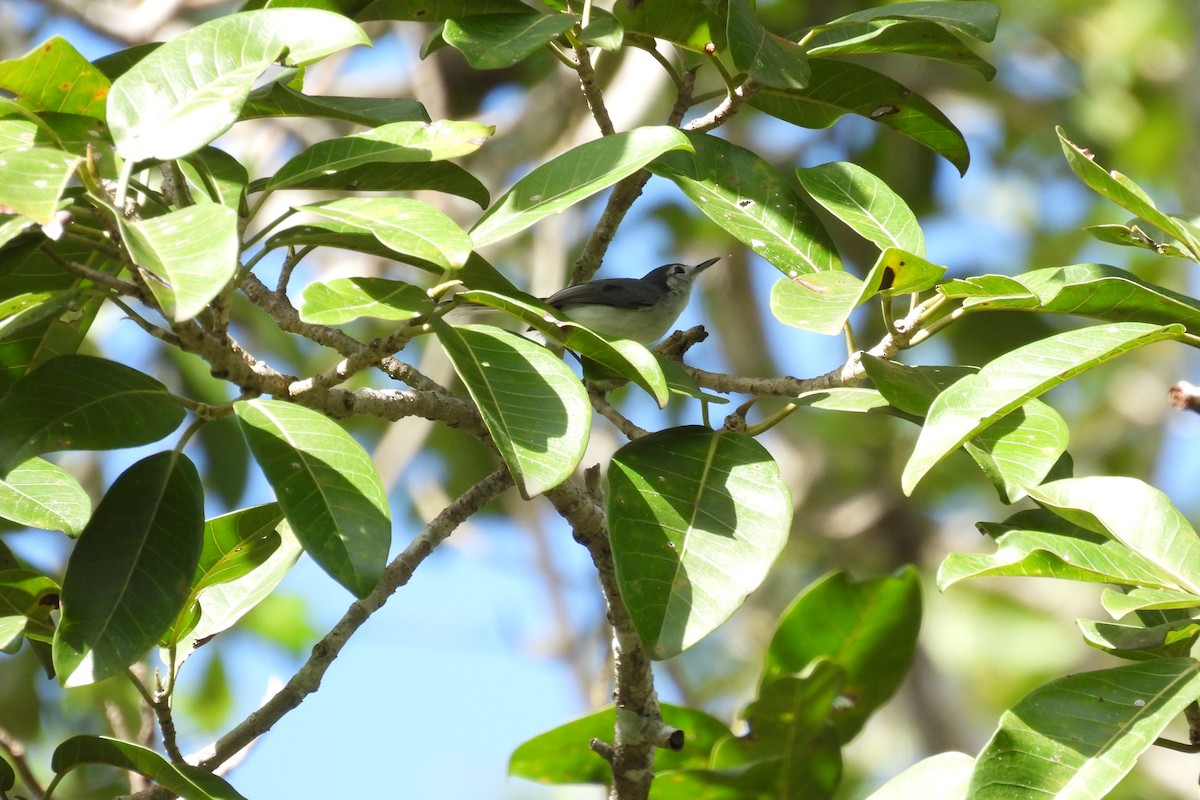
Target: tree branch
639,723
308,678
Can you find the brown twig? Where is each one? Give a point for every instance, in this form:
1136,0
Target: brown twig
639,722
308,678
621,199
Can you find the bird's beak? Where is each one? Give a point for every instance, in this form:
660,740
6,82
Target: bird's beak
706,264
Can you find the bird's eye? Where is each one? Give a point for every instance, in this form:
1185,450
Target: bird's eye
678,269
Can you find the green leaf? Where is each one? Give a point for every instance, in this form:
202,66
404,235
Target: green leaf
217,176
1135,514
1090,290
399,142
1079,735
495,41
869,629
223,603
437,10
866,204
603,31
190,255
561,755
341,300
26,600
129,573
38,494
55,77
696,518
623,357
1121,603
789,751
191,90
1139,642
974,18
1134,236
819,302
840,87
747,197
332,233
850,399
533,405
910,37
235,545
327,487
1127,194
570,177
408,227
691,24
769,59
944,776
434,176
1038,544
83,403
33,179
188,782
977,401
8,776
277,99
1015,453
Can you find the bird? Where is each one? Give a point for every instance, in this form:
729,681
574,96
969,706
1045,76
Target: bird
642,309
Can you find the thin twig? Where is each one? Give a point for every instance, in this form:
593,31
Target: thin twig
591,90
619,420
15,749
620,200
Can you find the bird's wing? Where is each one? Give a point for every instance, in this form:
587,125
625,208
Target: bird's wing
622,292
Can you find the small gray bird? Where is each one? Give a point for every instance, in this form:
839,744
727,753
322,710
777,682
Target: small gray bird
642,309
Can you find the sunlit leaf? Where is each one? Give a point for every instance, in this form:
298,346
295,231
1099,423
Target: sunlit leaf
55,77
842,87
1079,735
746,196
190,255
1038,544
188,782
625,358
696,518
39,494
944,776
769,59
326,485
190,90
399,142
403,225
34,179
532,403
910,37
1127,194
572,176
344,299
977,401
1135,514
866,204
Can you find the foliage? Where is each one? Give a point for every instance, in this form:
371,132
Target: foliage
116,193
